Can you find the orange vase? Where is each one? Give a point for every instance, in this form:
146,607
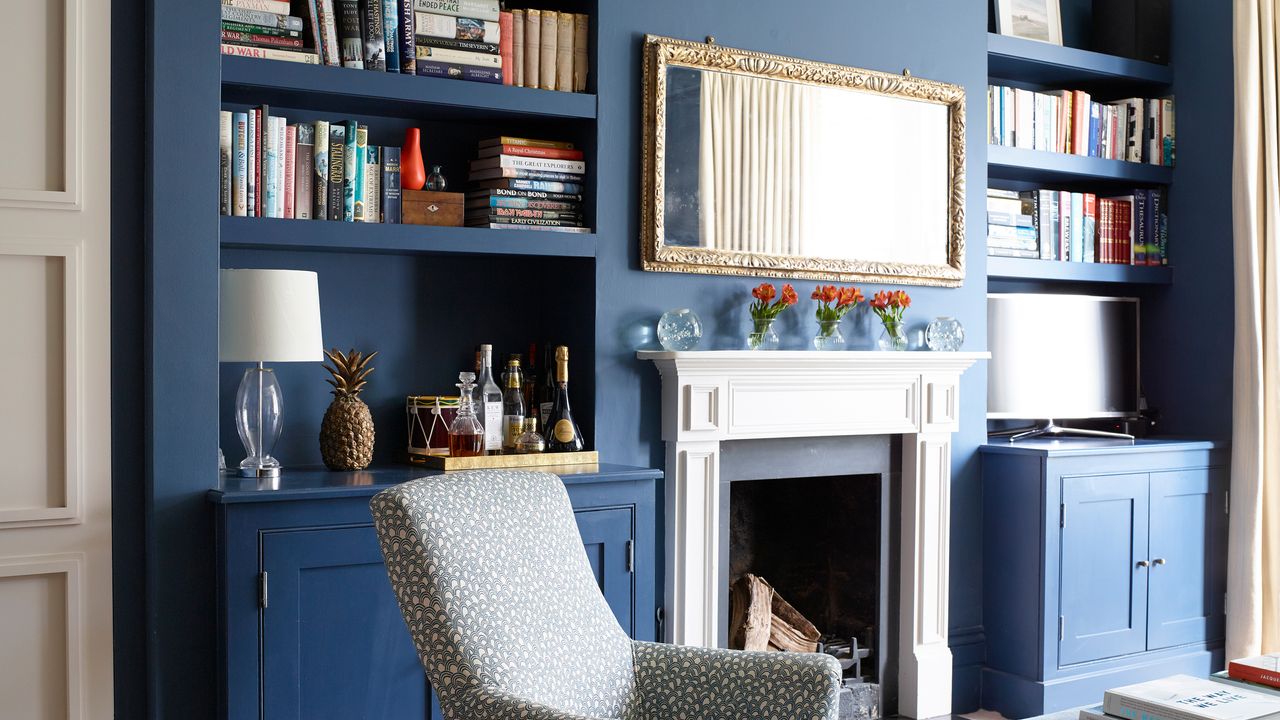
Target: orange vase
413,175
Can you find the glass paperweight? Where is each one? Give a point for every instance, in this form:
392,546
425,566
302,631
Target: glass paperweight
944,334
679,330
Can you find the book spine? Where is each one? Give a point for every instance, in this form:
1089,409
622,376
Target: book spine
312,23
525,142
349,170
504,46
407,32
349,34
496,173
232,36
532,46
550,222
277,7
264,53
564,52
320,168
521,203
517,47
432,68
390,34
1140,215
530,163
524,194
497,213
1090,230
290,168
260,30
1163,230
257,17
1151,238
262,165
224,162
537,185
459,57
457,28
1044,220
239,179
391,185
581,37
331,54
549,45
251,164
372,185
375,50
576,229
532,152
1128,709
337,165
1169,142
482,9
360,183
279,167
304,172
460,45
269,152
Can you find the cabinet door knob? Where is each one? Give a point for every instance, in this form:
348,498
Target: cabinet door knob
1158,561
1143,563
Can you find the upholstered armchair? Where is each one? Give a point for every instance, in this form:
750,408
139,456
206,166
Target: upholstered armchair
496,590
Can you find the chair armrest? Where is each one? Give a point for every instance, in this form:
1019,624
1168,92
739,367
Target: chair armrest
489,705
674,681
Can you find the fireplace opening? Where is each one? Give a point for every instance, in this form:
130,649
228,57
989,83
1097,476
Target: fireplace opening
814,548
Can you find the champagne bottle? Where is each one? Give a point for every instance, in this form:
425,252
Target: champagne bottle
512,405
562,430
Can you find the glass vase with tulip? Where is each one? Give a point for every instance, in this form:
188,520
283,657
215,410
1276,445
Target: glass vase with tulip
833,304
764,311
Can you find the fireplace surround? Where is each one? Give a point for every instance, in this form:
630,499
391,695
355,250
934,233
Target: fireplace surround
716,397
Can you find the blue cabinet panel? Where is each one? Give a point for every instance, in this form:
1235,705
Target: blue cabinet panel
1184,605
1103,588
607,536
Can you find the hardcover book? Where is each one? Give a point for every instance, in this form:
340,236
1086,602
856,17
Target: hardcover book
581,35
407,32
337,170
1182,697
457,28
320,180
304,172
251,163
375,48
529,142
289,166
390,36
257,17
523,221
548,153
1225,678
240,168
482,9
279,167
463,45
502,192
552,186
517,48
350,36
372,185
500,172
549,44
312,23
260,40
459,57
361,182
349,170
497,201
278,7
267,53
529,163
504,46
502,213
224,162
432,68
1262,669
391,185
549,228
260,30
532,46
564,52
331,53
268,169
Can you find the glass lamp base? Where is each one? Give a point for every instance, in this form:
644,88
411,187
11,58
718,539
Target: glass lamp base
267,467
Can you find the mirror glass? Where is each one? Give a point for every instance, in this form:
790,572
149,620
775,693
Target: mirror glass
764,165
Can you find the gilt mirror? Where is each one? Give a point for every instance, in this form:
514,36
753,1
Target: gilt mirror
758,164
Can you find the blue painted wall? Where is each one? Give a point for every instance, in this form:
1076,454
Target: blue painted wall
937,39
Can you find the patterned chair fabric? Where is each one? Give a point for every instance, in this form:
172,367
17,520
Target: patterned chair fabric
494,585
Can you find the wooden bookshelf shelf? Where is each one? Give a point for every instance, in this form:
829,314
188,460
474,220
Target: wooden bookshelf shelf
327,236
1046,65
1007,163
1002,268
253,81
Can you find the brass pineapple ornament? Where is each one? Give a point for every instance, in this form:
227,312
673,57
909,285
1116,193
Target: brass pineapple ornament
346,433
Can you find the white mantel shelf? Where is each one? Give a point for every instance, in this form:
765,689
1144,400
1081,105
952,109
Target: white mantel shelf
709,397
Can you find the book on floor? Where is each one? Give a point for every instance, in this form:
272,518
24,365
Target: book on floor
1183,697
1262,669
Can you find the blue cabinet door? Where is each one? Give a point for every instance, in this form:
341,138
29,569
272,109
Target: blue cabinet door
607,535
1102,586
1184,601
334,642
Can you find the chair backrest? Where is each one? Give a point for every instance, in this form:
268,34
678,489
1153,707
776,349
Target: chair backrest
490,572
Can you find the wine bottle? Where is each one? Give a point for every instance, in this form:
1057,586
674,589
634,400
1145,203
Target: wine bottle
530,387
546,390
562,430
512,405
489,403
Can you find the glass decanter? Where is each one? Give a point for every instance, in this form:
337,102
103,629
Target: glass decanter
466,434
436,180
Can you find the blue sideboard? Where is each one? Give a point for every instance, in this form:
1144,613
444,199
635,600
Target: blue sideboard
308,625
1103,564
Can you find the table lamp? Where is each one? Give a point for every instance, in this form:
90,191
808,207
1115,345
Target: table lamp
266,316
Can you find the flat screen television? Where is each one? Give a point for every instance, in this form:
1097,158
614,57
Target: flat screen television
1061,357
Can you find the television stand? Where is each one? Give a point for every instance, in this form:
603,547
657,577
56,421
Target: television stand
1052,429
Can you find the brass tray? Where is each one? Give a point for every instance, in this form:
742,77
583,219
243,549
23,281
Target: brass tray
488,462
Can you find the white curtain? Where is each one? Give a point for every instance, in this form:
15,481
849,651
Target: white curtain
1253,592
755,151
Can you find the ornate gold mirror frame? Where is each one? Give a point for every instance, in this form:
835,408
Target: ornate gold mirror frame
662,52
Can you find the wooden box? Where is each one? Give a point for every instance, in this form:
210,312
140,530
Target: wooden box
428,207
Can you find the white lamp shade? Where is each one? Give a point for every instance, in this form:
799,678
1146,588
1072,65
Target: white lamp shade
269,316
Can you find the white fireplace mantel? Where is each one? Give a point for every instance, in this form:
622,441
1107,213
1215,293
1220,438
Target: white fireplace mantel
717,396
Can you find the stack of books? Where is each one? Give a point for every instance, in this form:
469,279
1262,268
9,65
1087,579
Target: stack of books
305,171
264,29
462,39
1183,697
1257,673
526,183
1130,229
1070,121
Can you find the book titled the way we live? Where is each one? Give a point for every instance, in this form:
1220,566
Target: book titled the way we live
1183,697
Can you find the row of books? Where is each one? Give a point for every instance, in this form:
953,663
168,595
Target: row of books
1131,229
526,182
1070,121
463,39
1248,690
306,171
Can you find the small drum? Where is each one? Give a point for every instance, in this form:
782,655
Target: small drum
429,419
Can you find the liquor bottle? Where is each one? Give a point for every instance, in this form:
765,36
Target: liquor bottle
562,430
531,409
530,441
546,391
489,403
512,405
466,434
